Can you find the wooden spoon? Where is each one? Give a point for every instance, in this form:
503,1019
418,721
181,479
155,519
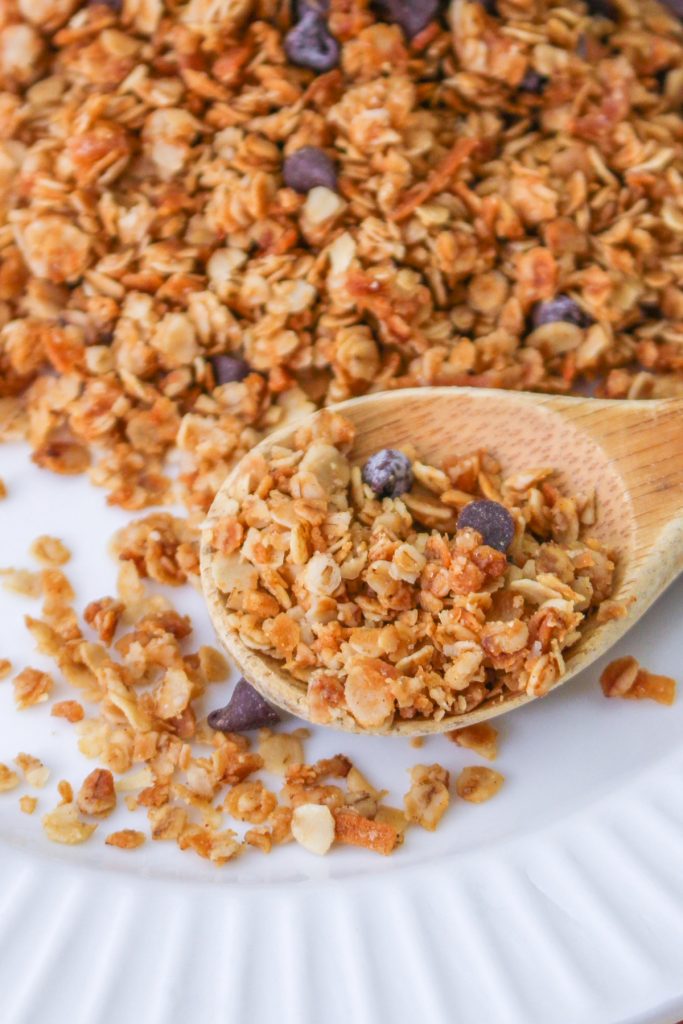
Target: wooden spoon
630,453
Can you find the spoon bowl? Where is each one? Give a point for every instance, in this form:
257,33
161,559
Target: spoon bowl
630,453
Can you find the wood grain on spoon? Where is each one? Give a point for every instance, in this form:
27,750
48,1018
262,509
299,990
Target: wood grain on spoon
630,453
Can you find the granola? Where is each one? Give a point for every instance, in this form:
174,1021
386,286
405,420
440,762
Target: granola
400,588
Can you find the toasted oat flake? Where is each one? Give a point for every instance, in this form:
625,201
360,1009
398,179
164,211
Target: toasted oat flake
624,677
5,667
28,804
50,551
63,825
8,779
125,839
31,687
478,784
481,737
33,769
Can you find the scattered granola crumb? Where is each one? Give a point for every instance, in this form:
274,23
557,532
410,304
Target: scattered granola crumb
71,710
63,825
97,795
65,791
34,771
625,678
313,827
23,582
3,489
477,784
428,798
50,550
417,742
5,667
8,779
31,687
482,738
28,804
126,839
356,830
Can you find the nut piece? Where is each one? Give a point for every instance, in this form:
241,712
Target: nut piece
35,772
482,738
64,826
427,800
478,784
97,795
313,827
126,839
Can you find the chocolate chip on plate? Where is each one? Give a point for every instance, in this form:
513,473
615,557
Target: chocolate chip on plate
310,45
411,15
308,167
245,710
492,520
388,473
562,307
229,369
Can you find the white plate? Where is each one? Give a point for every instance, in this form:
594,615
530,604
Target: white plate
559,902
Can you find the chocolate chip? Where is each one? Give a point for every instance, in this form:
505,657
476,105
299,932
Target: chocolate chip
492,520
228,369
302,7
559,308
308,167
602,9
533,82
114,5
675,6
245,710
411,15
310,45
388,473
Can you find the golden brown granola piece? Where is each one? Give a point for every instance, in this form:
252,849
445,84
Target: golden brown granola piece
427,800
64,826
31,687
126,839
478,784
8,779
33,769
28,804
50,551
250,801
103,616
482,738
354,829
5,667
71,710
97,795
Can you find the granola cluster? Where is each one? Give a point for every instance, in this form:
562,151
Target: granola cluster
472,164
394,606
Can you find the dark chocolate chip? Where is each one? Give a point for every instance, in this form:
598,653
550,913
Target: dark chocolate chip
302,7
388,473
228,369
602,9
411,15
245,710
675,7
562,307
308,167
492,520
533,82
310,45
114,5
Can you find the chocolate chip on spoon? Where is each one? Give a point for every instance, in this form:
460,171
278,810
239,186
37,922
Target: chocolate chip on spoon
245,710
310,45
229,369
492,520
411,15
562,307
388,473
308,167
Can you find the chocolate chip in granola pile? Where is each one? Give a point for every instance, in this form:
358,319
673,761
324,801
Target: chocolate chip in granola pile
533,82
229,369
114,5
310,45
308,167
562,307
675,7
410,15
301,7
490,519
388,473
245,710
602,9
